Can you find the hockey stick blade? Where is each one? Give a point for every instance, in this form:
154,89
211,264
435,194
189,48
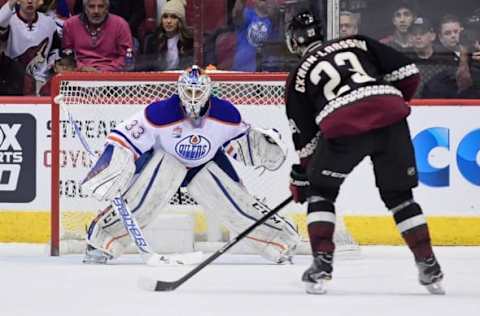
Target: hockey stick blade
166,286
149,284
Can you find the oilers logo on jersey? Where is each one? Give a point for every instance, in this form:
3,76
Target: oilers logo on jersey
257,33
193,147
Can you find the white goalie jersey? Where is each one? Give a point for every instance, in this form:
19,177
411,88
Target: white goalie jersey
163,126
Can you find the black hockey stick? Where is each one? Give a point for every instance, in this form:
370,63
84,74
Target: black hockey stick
163,286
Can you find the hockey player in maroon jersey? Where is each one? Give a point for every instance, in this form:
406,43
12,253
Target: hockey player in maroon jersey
347,99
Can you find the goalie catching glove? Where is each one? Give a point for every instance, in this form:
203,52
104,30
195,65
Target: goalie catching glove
111,174
259,148
299,183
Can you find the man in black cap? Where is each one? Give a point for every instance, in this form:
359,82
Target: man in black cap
430,62
422,38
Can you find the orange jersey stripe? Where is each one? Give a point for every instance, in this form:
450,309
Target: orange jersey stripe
123,144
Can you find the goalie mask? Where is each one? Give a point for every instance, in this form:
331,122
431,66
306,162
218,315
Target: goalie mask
194,90
302,30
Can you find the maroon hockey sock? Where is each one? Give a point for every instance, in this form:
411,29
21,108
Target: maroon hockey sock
321,236
418,240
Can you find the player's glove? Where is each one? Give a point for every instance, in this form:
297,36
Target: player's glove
298,183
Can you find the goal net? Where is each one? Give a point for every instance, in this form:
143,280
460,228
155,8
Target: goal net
98,102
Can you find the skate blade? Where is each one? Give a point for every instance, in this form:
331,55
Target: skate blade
436,288
317,288
93,260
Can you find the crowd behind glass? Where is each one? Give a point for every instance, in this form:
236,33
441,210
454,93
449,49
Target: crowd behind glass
39,38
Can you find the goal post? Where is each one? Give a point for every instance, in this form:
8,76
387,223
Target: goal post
99,101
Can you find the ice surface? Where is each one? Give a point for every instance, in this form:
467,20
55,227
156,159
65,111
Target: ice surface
382,281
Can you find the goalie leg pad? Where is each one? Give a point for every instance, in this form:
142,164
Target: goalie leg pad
276,239
148,195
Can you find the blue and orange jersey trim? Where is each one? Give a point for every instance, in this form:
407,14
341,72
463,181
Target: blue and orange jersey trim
224,111
120,139
165,112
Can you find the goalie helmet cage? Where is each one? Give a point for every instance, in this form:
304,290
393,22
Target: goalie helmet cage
99,101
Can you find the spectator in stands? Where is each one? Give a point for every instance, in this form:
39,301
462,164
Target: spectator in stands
132,11
170,47
254,26
349,23
58,10
64,64
12,74
160,4
98,39
468,73
422,38
431,64
455,76
402,18
32,38
449,31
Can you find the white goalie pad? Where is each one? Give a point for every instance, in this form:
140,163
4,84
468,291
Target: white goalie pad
259,148
111,174
147,196
216,192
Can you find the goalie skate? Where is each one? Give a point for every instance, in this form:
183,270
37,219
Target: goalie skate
95,256
430,275
287,257
319,273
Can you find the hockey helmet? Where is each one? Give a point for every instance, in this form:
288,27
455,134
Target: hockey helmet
194,89
302,30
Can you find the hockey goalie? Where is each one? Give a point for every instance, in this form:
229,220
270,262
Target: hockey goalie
185,140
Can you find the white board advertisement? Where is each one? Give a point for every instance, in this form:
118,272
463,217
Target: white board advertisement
446,139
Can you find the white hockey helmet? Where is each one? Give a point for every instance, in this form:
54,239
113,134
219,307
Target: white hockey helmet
194,89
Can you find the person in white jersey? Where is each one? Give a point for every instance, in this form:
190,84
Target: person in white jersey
32,38
184,141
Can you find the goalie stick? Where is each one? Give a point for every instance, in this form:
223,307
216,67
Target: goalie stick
163,286
131,225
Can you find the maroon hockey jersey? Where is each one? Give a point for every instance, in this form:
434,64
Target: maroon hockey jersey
346,87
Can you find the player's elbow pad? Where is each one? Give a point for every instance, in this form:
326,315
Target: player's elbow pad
408,86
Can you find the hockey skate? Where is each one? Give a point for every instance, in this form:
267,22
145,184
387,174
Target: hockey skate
430,275
287,256
95,256
319,273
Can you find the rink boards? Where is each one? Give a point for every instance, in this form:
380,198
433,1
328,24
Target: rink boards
446,138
